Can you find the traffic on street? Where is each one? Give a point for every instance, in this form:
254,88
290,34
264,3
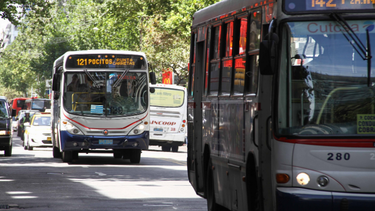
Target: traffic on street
34,180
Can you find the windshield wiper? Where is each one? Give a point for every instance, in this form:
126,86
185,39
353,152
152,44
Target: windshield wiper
363,51
117,82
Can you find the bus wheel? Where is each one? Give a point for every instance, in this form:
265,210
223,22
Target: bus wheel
117,155
210,190
174,148
135,156
56,152
67,156
166,148
75,155
8,151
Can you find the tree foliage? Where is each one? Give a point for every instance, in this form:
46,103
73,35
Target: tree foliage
160,28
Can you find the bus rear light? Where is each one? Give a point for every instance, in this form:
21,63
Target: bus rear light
184,121
282,178
183,125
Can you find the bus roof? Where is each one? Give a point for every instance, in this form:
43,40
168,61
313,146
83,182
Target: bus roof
221,8
174,86
104,52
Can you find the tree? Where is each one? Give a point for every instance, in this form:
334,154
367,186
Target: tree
14,10
160,28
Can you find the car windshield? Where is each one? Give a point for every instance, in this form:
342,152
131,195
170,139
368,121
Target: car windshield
325,87
42,121
115,93
4,113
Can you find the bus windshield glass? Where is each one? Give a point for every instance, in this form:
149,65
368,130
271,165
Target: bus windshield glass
331,88
105,93
167,97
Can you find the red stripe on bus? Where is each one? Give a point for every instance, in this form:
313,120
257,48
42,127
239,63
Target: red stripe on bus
106,128
331,142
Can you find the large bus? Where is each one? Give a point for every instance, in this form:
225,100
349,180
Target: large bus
18,104
101,104
281,108
40,104
168,120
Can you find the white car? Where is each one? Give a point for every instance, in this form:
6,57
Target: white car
38,131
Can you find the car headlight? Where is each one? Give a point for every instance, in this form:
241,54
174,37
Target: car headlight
72,129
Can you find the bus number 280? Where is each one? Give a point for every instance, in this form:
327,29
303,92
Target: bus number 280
338,156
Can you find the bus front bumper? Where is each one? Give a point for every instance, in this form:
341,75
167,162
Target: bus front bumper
290,199
71,142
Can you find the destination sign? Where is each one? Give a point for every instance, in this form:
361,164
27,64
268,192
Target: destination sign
105,61
311,6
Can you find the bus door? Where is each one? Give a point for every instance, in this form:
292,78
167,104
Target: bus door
195,144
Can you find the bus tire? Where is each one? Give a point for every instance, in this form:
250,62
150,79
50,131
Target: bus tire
56,152
75,155
117,155
67,156
165,148
174,148
135,156
8,151
210,190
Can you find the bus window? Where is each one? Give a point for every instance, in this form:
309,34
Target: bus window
226,75
240,61
215,63
252,72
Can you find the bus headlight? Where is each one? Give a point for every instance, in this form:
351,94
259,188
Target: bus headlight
323,181
139,129
72,129
303,178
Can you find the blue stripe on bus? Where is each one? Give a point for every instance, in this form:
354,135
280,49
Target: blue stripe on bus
68,139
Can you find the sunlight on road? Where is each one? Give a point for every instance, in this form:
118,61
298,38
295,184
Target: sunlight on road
140,190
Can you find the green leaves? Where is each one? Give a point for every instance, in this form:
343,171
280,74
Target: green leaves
160,28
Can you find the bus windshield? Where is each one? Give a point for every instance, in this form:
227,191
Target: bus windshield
167,97
101,93
328,91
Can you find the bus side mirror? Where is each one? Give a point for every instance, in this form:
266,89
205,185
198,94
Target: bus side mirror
267,55
54,82
56,95
152,78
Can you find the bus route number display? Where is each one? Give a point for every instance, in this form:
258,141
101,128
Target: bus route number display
327,5
105,61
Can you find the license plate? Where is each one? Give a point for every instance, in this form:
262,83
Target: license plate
49,139
105,141
158,129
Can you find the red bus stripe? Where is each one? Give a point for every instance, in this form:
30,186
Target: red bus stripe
106,128
331,142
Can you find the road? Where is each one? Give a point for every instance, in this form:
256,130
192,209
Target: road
34,180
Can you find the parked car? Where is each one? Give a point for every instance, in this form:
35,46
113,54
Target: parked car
6,131
38,131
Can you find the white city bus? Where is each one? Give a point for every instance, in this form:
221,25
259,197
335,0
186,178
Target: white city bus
100,104
168,111
281,111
